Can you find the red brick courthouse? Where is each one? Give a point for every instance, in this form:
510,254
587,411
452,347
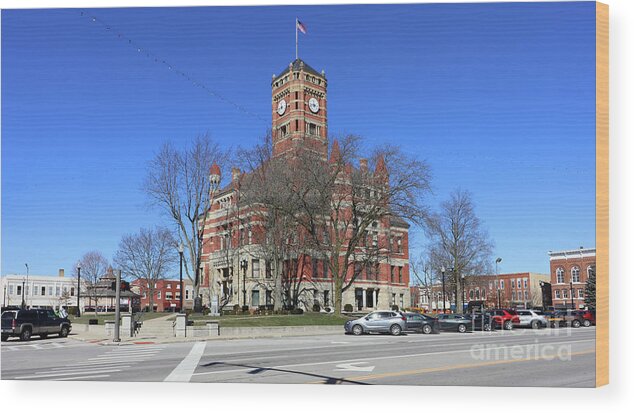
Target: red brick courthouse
299,107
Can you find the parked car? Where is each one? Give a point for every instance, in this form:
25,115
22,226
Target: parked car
421,323
565,318
504,318
588,318
454,322
532,318
477,319
27,323
377,322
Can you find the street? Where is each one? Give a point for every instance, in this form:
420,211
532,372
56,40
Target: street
550,357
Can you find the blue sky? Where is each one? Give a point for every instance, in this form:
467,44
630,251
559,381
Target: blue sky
497,97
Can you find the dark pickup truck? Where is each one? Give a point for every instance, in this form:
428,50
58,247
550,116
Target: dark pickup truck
27,323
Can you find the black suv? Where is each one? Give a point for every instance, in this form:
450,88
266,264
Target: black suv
27,323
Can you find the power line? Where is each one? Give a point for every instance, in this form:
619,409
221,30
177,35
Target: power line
159,60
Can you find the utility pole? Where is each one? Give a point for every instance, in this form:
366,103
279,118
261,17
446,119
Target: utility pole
78,286
117,310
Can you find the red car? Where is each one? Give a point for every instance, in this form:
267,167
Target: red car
504,318
588,318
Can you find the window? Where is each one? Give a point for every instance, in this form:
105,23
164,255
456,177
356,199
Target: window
72,291
575,274
19,290
268,269
168,295
471,295
525,283
501,283
513,283
187,294
525,295
560,275
393,298
10,289
402,304
326,297
255,268
57,290
314,268
565,293
35,288
399,245
513,295
178,286
325,264
255,298
391,273
484,294
400,275
169,286
158,295
580,293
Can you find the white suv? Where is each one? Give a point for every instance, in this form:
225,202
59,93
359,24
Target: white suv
532,318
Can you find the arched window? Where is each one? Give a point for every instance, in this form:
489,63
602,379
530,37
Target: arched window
590,270
477,294
560,275
575,274
470,294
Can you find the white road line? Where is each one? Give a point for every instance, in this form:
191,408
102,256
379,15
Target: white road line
85,366
83,369
37,376
81,377
117,356
184,371
321,363
128,353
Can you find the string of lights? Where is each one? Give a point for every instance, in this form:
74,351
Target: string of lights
160,61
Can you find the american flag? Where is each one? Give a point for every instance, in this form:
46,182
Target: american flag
301,27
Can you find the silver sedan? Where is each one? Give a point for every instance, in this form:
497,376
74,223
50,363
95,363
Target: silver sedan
377,322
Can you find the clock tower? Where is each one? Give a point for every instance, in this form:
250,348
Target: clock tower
299,110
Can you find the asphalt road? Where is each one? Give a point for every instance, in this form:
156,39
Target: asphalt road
562,357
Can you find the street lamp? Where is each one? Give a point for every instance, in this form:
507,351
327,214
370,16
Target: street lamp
244,265
444,306
181,249
572,295
78,285
497,281
23,284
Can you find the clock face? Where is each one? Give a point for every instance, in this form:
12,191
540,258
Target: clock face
281,107
313,105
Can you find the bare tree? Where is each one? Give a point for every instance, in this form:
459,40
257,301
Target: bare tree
178,182
93,266
459,242
268,190
147,256
422,270
347,212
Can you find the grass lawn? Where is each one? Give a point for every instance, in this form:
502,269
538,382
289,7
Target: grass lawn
307,319
109,317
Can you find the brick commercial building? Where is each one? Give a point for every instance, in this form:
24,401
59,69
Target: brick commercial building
569,272
167,295
515,290
234,273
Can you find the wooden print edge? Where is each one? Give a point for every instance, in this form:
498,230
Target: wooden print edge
602,195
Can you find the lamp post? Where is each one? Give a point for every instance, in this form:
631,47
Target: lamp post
244,265
464,296
572,296
27,281
497,281
181,249
78,284
444,306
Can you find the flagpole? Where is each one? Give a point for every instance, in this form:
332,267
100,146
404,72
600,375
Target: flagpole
296,54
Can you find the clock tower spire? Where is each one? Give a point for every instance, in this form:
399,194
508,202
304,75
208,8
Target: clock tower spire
299,110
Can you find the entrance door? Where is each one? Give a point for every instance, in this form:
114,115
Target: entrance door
255,298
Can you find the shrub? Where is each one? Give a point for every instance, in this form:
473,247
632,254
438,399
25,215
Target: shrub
394,307
328,309
297,311
236,308
245,308
347,308
72,310
206,311
316,308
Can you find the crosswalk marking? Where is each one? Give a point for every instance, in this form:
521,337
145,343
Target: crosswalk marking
81,377
113,360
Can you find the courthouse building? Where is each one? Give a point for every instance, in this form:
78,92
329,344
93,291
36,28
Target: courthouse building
299,106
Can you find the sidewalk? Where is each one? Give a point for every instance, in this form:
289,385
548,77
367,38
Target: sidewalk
160,330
